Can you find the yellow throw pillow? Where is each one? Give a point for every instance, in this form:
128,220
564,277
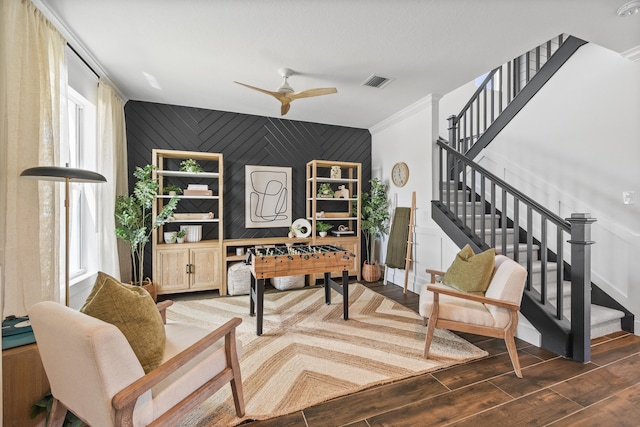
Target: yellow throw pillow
469,272
132,310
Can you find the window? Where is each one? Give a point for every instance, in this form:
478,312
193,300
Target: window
78,152
496,80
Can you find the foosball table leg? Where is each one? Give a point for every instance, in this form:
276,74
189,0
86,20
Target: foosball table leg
327,288
345,294
256,302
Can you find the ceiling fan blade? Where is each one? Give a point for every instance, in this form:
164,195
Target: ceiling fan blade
285,108
312,92
276,95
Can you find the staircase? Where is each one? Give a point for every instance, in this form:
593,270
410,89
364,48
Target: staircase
475,207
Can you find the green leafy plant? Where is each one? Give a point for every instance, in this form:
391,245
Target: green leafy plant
325,190
323,226
134,217
374,216
181,233
169,188
45,404
190,165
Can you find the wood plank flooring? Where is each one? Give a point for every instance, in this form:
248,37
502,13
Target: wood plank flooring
486,392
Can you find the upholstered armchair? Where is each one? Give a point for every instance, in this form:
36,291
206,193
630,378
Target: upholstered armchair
95,374
495,314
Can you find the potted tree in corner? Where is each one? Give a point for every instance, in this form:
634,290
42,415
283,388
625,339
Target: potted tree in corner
374,216
133,215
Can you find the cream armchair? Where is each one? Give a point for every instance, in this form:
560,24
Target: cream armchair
495,314
95,374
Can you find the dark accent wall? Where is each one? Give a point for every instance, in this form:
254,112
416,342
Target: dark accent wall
243,140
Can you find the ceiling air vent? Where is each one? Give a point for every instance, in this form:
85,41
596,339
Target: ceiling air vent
376,81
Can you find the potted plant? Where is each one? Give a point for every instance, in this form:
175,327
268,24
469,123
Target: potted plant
134,217
171,190
322,228
325,190
180,235
190,165
374,216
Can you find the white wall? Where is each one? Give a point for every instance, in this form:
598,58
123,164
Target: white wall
408,137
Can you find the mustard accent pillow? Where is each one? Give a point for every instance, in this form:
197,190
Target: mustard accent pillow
469,272
132,310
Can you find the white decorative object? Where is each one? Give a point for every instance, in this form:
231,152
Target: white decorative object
239,251
194,232
301,227
170,236
336,173
322,233
341,193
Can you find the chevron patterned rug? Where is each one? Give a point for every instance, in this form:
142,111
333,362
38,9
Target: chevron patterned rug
308,354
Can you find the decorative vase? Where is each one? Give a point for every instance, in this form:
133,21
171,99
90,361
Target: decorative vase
170,236
336,173
291,235
371,272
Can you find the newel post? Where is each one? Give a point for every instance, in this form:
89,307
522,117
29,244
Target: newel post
581,285
453,143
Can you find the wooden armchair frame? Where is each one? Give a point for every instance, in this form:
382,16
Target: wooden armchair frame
124,401
507,333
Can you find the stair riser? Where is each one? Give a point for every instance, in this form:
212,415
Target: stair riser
487,219
510,237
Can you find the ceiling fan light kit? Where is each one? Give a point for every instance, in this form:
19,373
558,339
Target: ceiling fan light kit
286,94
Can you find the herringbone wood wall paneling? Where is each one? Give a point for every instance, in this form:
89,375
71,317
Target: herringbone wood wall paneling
243,140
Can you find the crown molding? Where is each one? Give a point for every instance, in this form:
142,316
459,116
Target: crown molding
412,109
632,54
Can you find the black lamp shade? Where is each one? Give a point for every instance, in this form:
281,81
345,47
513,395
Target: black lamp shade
59,173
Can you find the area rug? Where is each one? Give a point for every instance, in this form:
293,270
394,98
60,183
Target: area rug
308,354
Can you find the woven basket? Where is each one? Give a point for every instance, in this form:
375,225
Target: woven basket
371,272
238,279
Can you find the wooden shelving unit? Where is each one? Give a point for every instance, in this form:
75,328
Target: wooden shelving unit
189,266
335,211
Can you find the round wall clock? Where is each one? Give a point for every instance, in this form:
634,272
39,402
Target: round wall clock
400,174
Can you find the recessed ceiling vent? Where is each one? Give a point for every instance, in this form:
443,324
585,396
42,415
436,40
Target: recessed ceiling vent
376,81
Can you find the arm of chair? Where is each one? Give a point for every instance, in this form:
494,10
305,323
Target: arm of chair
162,308
473,297
434,274
125,400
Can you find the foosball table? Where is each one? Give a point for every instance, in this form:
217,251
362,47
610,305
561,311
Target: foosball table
291,260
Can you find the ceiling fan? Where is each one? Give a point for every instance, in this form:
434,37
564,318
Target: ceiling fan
285,93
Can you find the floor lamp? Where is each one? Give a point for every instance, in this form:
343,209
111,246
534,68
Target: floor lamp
67,175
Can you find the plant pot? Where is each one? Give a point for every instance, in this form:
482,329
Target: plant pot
180,239
148,286
371,272
322,233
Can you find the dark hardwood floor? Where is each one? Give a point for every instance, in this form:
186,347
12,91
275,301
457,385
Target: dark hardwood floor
486,392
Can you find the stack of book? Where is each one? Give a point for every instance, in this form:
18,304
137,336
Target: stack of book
197,190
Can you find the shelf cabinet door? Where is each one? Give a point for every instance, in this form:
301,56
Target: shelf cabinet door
172,269
205,273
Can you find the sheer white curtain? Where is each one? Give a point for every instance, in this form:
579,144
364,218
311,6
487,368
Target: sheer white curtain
112,148
33,72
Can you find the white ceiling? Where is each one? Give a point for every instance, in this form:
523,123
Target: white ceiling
193,50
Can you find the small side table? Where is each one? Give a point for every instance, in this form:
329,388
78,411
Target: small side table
24,382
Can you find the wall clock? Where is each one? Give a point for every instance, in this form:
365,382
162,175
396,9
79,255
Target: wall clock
400,174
